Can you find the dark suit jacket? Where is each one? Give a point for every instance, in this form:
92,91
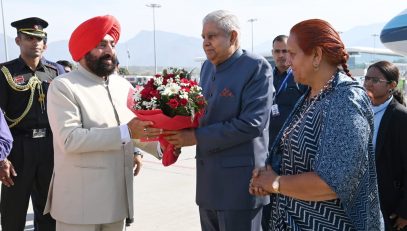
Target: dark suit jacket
233,135
391,160
286,100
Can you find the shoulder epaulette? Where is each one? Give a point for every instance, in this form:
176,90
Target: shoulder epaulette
58,67
8,63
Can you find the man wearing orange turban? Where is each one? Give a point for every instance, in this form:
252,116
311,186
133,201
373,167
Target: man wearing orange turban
88,35
92,185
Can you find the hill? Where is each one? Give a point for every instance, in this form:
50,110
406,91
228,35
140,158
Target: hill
178,50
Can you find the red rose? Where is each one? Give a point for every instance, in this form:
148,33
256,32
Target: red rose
145,93
186,89
183,102
184,81
150,83
155,93
173,103
200,100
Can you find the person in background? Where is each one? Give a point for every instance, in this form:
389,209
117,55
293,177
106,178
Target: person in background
6,143
66,64
232,138
327,178
92,184
286,96
390,132
23,88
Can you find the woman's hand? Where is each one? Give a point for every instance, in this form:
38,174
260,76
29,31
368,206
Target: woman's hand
399,223
257,185
261,182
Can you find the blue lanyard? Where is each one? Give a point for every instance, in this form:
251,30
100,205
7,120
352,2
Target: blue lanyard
284,83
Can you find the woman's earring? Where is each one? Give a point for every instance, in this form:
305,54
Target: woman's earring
316,67
391,91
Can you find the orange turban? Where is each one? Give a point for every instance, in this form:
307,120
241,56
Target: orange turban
89,34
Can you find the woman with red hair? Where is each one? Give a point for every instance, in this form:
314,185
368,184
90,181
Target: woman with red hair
321,171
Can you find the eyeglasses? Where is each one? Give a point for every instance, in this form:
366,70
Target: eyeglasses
375,80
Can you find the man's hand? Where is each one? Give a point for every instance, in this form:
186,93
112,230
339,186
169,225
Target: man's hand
177,151
181,138
142,129
137,163
6,172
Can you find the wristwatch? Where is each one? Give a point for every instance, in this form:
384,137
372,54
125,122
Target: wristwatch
137,152
276,184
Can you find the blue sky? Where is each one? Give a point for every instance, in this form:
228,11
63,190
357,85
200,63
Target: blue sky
185,16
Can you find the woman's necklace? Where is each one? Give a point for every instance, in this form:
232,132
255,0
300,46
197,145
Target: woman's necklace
306,109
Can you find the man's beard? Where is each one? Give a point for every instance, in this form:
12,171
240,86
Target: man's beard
99,67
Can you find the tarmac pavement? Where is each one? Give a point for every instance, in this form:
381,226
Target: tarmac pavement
164,197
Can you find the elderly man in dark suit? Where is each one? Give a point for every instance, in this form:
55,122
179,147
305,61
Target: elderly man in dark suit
232,138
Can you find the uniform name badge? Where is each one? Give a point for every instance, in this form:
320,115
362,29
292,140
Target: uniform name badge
274,110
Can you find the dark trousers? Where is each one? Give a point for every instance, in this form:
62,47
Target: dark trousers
266,217
230,220
33,161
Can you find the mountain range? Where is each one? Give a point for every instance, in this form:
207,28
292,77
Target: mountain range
182,51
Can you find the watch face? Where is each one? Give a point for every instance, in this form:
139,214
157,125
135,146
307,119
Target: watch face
276,185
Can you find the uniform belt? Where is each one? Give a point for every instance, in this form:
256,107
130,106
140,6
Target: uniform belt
31,133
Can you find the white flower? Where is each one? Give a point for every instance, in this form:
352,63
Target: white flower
161,88
149,105
183,95
171,89
137,96
184,84
158,81
154,103
196,88
177,78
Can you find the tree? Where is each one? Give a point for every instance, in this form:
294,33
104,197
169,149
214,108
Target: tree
123,71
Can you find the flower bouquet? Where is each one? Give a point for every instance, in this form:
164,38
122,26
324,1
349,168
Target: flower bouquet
172,101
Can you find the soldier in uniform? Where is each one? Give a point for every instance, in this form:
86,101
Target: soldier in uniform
23,86
66,64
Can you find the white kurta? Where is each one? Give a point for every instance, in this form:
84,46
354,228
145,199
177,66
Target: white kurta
93,172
